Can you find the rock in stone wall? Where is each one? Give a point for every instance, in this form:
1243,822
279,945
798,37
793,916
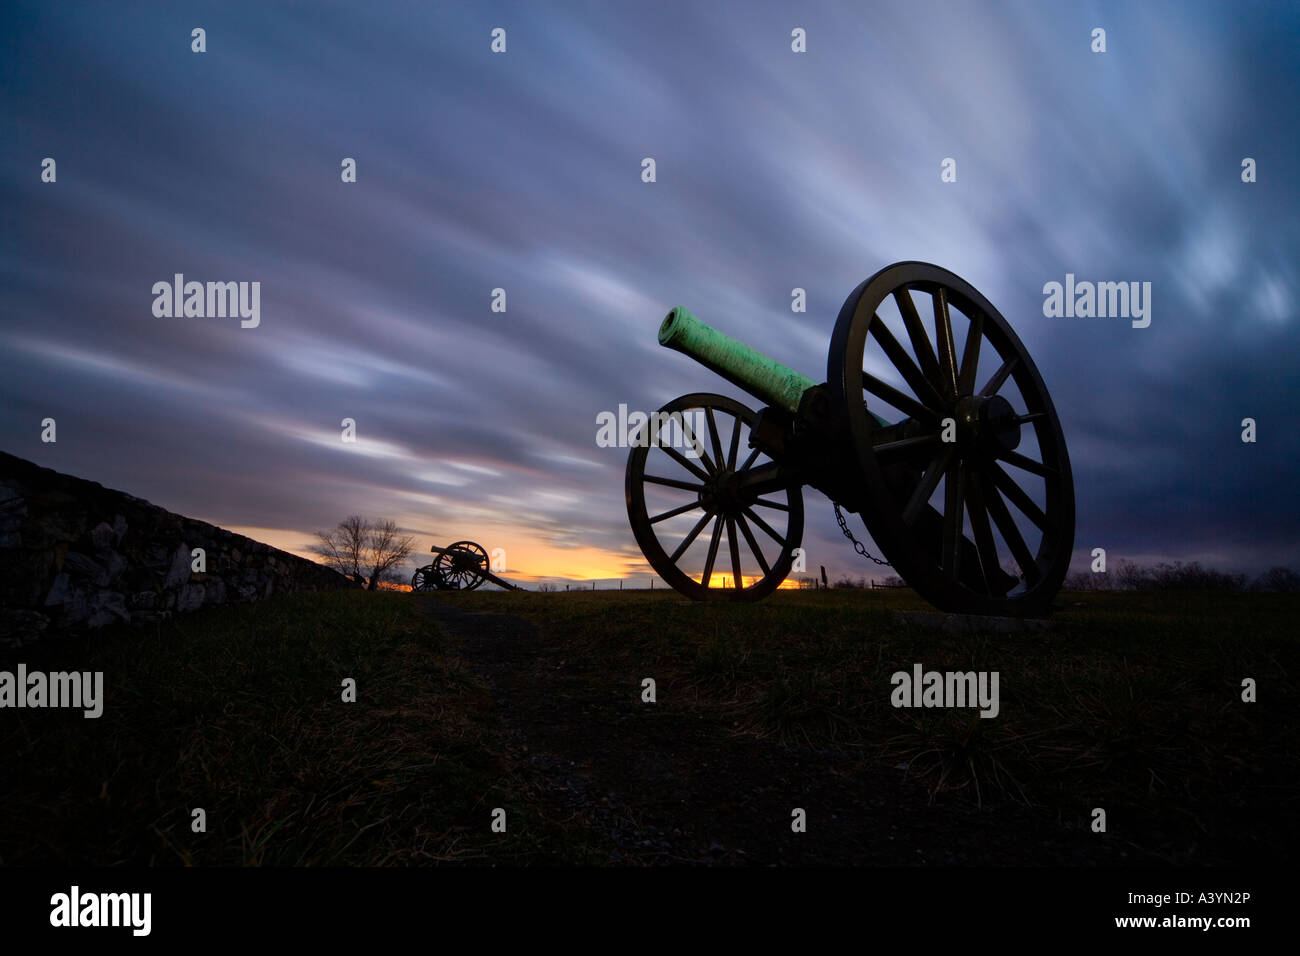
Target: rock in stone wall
77,555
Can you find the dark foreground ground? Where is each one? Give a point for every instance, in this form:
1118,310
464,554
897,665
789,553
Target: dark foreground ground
532,703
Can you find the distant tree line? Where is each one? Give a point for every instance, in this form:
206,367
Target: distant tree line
847,581
1180,576
1129,576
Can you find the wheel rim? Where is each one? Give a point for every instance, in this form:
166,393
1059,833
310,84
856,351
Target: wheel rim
681,508
1003,483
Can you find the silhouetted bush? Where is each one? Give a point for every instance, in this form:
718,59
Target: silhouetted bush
1088,581
1176,576
1277,579
1192,577
1132,577
1180,576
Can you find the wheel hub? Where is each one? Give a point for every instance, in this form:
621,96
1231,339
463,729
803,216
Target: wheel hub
988,424
721,494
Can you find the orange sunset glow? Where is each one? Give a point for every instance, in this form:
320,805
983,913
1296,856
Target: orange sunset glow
527,561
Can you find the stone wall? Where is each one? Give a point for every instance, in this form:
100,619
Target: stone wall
77,555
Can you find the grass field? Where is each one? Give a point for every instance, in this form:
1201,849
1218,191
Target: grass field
1130,702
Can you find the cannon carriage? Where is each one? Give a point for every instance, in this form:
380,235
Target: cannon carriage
949,449
462,566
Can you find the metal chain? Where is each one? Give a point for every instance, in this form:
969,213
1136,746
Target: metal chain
857,545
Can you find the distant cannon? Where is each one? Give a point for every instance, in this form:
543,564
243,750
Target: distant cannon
953,431
462,566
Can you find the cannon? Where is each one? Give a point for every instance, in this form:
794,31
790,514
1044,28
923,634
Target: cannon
948,449
461,566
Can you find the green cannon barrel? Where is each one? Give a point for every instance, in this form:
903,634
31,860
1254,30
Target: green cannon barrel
766,379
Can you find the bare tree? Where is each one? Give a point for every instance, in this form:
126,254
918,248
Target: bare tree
1087,581
344,547
355,546
385,550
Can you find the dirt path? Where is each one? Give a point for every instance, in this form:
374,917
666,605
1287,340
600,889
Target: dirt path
661,783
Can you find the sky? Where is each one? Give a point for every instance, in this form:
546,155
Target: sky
522,171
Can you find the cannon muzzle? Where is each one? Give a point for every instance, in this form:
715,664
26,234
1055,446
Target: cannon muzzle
766,379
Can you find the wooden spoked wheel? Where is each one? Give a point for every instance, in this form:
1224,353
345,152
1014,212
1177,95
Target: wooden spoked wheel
969,493
702,505
461,566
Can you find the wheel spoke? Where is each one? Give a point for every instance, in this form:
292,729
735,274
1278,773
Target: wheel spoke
943,341
765,526
686,463
952,518
697,445
896,398
985,546
925,488
770,504
690,506
919,384
1017,496
917,334
1010,533
1028,464
690,538
970,356
714,439
903,447
735,444
753,545
1000,376
713,552
734,545
672,482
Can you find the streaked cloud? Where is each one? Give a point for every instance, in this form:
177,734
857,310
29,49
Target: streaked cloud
523,172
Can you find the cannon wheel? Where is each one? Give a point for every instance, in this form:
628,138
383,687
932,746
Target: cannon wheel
761,531
463,566
989,388
423,579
